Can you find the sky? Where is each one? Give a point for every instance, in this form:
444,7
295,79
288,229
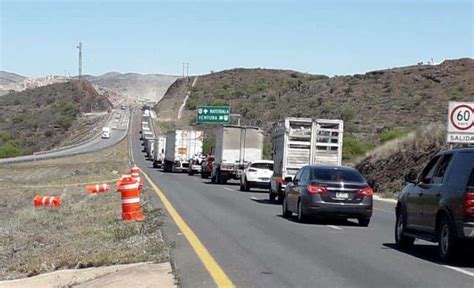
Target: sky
321,37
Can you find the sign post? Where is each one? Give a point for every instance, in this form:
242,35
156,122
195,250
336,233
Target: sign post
461,123
213,115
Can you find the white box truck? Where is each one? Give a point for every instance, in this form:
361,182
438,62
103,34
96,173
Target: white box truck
106,131
235,146
159,151
181,145
297,142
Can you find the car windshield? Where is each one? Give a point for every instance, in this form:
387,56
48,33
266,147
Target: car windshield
268,166
335,174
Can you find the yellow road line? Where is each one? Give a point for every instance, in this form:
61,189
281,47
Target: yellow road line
219,276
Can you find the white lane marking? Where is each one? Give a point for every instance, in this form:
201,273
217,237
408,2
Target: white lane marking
228,189
460,270
255,198
386,211
334,227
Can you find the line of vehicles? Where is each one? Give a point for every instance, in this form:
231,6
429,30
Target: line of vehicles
307,178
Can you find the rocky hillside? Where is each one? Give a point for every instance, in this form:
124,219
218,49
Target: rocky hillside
371,104
150,87
42,118
387,165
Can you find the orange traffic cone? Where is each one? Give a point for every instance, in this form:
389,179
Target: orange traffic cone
46,201
98,188
135,172
130,194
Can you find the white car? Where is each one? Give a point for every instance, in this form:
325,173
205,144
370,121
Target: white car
257,174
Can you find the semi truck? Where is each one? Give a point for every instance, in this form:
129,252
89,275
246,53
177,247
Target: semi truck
181,146
235,147
297,142
159,151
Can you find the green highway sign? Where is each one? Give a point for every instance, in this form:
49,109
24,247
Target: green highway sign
213,115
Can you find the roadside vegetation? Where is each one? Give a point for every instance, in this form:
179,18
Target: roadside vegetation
47,117
388,164
85,231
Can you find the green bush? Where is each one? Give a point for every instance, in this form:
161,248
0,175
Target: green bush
354,147
217,102
19,118
267,151
69,108
191,104
9,150
208,145
392,134
65,121
5,137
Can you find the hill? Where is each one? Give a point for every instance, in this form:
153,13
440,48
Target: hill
42,118
7,78
150,87
373,105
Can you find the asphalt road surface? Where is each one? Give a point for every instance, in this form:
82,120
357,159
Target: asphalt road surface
256,247
119,124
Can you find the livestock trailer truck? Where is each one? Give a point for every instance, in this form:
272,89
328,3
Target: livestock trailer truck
181,145
159,151
297,142
235,146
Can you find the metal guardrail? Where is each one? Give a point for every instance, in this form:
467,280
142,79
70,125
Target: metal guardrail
33,159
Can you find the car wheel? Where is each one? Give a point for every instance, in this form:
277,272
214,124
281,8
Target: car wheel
286,213
301,216
401,240
363,221
447,243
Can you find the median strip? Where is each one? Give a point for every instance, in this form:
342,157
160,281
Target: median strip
216,272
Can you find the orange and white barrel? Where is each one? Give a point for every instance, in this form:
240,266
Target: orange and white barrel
98,188
135,173
52,201
130,194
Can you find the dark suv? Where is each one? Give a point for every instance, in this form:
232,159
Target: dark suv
438,205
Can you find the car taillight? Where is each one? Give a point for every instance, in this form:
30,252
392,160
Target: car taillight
316,189
469,201
367,191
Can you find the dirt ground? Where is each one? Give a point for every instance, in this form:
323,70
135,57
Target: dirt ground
85,231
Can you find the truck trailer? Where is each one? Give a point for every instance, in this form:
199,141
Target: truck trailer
159,151
297,142
235,147
181,146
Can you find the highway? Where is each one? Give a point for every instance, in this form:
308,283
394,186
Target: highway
119,123
256,247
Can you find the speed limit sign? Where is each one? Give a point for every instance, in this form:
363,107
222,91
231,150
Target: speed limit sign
461,122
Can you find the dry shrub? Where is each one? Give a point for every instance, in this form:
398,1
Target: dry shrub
387,165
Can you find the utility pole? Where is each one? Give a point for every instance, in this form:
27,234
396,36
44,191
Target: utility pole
185,69
79,74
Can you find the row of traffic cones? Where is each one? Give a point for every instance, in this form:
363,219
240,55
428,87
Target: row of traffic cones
129,186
